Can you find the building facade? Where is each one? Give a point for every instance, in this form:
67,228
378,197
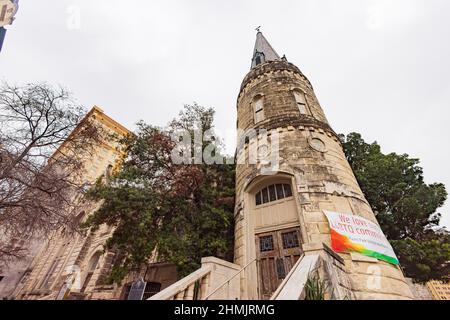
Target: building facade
76,266
300,171
439,290
290,168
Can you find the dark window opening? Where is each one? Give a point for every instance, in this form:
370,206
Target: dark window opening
272,194
151,288
265,195
290,240
280,194
266,243
258,198
126,291
287,190
258,108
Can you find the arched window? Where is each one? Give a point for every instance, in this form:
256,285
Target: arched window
258,107
273,192
93,262
300,99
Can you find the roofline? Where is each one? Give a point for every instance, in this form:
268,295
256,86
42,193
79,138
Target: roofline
93,110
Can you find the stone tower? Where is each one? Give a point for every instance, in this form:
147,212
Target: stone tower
300,170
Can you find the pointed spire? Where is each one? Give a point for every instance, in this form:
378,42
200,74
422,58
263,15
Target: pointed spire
263,50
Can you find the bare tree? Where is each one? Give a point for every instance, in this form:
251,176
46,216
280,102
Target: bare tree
44,138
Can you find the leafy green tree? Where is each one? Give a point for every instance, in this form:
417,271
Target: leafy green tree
181,212
405,206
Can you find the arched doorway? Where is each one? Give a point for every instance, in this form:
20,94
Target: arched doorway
276,228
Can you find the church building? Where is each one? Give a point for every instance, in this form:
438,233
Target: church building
290,171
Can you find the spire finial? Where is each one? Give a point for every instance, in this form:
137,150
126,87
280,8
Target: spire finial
258,29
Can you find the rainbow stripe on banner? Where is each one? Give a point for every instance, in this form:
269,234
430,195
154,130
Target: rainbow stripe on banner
350,233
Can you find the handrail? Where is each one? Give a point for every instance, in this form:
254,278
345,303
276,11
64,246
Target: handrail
231,278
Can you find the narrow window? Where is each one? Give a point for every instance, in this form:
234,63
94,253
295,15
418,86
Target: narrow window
259,58
290,240
259,109
287,190
272,193
301,102
280,194
151,288
258,198
266,243
265,196
46,283
91,269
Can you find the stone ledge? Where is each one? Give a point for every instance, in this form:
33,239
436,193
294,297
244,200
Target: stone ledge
217,261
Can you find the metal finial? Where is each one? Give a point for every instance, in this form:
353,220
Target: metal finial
258,29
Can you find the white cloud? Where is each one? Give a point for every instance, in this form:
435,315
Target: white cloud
386,14
135,31
378,67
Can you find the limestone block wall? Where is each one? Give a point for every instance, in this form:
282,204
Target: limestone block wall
61,256
309,152
15,273
63,253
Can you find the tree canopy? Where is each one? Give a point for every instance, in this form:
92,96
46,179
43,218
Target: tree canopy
179,212
40,161
405,206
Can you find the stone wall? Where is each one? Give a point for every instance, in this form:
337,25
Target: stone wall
321,176
66,256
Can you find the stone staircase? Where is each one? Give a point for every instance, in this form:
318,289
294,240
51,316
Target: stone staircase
321,261
221,280
216,279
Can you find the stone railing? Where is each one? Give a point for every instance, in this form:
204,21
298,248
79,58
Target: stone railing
293,286
205,283
226,285
320,260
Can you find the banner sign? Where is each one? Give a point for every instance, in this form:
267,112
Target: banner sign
351,233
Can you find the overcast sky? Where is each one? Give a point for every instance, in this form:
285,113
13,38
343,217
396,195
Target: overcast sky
379,67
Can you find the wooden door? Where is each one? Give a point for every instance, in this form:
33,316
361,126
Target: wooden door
277,251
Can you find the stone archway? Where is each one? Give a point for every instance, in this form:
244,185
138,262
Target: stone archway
274,229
